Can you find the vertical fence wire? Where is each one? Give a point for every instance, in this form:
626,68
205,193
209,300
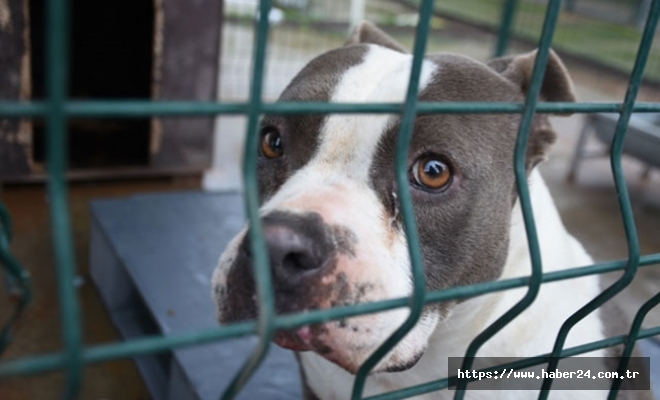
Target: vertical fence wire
631,339
261,265
506,26
17,280
57,47
623,197
403,191
531,100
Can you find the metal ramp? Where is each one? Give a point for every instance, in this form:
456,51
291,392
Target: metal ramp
151,258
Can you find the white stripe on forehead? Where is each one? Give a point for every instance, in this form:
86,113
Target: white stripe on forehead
348,141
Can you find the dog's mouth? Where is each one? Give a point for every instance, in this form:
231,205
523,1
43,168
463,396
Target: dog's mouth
299,339
314,338
311,338
305,338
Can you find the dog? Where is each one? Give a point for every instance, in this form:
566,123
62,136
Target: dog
334,233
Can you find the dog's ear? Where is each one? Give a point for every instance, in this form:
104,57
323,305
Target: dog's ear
366,32
557,86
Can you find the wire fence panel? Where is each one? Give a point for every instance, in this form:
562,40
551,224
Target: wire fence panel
57,109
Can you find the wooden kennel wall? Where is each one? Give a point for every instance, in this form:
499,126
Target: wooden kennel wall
161,49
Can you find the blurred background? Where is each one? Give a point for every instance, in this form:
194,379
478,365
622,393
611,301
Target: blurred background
201,50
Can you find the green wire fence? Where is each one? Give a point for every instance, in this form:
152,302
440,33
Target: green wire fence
57,109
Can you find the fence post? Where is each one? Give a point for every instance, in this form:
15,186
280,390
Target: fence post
357,12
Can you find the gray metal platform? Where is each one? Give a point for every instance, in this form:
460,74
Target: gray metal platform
152,257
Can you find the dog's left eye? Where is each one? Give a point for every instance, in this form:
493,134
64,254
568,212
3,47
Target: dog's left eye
271,143
431,172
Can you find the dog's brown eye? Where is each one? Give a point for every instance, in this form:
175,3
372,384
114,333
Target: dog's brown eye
271,143
431,172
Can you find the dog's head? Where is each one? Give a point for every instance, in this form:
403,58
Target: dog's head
330,213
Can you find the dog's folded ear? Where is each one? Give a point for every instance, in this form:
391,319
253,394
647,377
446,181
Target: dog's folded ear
557,86
557,83
366,32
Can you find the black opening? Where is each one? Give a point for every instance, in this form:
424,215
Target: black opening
111,58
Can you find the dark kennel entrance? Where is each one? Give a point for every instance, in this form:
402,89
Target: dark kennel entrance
111,58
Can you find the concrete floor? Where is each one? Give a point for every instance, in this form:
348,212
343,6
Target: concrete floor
589,209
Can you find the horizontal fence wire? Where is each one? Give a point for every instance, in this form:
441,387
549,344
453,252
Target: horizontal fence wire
144,108
136,347
58,109
527,362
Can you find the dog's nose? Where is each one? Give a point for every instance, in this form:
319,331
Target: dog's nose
298,246
290,249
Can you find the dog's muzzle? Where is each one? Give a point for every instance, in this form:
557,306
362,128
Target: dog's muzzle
317,263
302,251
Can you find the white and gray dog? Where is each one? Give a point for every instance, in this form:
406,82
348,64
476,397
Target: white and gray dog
334,233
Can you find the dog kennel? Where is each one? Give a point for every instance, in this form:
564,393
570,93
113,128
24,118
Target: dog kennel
139,54
57,108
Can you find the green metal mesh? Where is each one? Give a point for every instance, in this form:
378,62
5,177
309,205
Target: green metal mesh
57,109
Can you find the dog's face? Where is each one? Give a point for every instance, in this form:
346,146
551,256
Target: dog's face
330,213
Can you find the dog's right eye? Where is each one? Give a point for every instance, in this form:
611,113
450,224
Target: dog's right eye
271,143
431,173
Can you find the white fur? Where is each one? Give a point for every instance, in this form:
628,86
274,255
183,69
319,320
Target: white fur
350,140
532,333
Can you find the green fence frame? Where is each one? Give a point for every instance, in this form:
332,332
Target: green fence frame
58,109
